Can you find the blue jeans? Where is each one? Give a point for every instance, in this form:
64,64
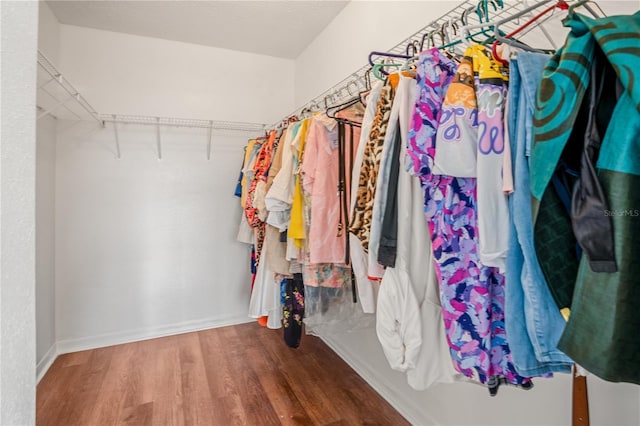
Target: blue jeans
532,320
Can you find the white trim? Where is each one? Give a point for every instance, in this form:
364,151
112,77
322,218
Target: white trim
120,337
413,413
45,363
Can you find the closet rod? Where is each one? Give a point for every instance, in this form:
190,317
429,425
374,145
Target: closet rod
73,94
181,122
340,91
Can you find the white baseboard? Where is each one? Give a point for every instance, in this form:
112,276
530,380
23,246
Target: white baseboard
120,337
413,413
45,362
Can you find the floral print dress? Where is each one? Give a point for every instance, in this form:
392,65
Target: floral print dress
292,298
472,295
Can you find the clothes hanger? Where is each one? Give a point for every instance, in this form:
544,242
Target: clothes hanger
379,69
379,72
386,55
333,109
353,106
465,22
463,40
367,80
586,5
485,25
561,4
424,38
482,10
483,6
452,24
339,107
413,48
308,110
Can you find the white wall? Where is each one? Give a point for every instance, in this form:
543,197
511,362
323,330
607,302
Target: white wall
125,74
146,247
48,43
17,213
48,32
45,240
548,403
362,26
341,49
367,25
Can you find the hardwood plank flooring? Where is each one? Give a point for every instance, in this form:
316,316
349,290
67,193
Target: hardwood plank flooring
238,375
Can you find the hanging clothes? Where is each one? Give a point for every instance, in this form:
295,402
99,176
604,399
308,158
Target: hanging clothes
398,323
320,170
362,214
409,321
255,192
492,204
276,161
292,310
375,269
250,154
470,143
367,289
259,177
457,136
603,61
265,300
280,195
265,296
296,225
245,232
276,253
472,295
388,247
533,322
324,248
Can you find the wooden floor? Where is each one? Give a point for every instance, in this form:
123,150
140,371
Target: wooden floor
238,375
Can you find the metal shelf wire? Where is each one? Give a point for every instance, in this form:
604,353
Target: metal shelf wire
58,98
181,122
64,92
537,33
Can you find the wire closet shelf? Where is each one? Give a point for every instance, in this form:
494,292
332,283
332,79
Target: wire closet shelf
58,98
497,10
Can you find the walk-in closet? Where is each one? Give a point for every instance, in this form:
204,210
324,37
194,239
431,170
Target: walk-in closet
320,212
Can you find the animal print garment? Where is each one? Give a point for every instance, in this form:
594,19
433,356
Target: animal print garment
363,210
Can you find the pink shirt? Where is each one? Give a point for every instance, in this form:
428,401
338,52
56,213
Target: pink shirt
319,169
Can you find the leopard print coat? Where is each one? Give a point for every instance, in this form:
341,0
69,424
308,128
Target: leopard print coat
363,211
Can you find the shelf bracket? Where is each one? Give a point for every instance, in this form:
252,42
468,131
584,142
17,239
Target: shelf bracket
158,138
50,110
210,132
115,131
46,83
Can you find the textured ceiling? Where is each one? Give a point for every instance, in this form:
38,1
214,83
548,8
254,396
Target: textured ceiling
275,28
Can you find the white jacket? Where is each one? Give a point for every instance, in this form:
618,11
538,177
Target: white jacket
409,322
